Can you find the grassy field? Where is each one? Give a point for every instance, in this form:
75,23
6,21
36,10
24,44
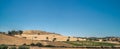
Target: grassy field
90,43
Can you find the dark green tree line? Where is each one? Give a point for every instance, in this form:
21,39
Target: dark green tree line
14,32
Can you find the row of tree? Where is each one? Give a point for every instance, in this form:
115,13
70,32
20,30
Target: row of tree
3,46
54,39
14,32
2,32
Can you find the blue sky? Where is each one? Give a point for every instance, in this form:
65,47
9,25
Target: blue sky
84,18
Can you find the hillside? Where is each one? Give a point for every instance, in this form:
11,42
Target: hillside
12,40
43,35
39,32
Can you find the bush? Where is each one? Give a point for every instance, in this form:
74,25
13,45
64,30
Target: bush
32,44
39,44
3,46
24,44
68,40
13,47
49,46
63,46
23,47
54,39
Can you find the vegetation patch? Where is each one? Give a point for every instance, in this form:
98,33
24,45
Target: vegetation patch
24,47
89,43
49,46
13,47
2,46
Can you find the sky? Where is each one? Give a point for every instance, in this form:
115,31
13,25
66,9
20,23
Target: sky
80,18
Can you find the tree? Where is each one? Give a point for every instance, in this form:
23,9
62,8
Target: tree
2,33
77,39
68,38
9,33
14,32
24,44
32,44
38,33
54,39
49,46
23,47
3,46
47,38
13,47
20,32
39,44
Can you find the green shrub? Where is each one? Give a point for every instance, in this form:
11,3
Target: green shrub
54,39
49,46
32,44
68,40
23,47
39,44
3,46
24,44
13,47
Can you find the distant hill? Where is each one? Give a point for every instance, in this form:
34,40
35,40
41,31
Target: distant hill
43,35
12,40
33,32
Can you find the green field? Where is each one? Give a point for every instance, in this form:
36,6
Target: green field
90,43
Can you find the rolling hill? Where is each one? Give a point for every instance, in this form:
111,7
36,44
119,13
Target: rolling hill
12,40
